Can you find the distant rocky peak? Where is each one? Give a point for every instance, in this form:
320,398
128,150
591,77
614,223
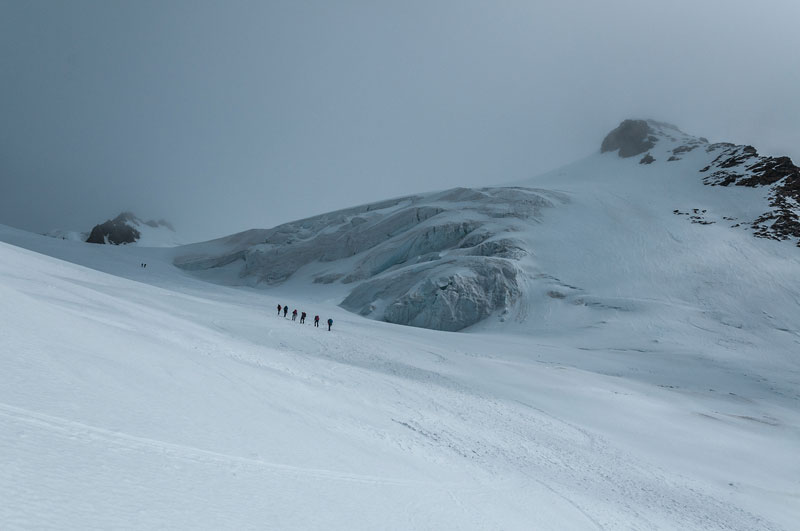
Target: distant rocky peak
123,229
634,137
631,137
116,231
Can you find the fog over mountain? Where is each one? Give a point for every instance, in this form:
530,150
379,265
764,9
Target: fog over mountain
224,117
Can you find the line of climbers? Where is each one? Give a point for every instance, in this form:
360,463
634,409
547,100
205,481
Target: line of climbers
285,310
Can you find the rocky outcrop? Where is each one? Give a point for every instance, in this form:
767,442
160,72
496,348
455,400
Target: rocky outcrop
115,231
128,229
647,159
631,138
743,166
634,137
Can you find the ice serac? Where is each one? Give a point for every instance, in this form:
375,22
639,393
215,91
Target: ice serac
444,296
445,260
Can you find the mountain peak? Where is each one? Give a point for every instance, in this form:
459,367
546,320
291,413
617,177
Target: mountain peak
631,138
127,228
635,136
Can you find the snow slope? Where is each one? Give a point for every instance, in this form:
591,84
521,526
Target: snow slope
149,398
158,234
644,375
67,235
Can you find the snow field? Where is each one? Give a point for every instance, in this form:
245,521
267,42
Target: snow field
158,400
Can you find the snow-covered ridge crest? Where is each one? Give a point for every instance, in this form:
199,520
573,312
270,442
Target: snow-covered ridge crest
445,260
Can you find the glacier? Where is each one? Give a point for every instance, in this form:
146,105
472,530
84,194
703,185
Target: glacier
445,260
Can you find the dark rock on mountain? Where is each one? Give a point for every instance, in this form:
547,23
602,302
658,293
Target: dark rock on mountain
127,228
769,170
686,148
743,166
115,231
734,156
631,138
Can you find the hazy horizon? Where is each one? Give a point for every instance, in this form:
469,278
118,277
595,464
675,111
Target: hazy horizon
221,117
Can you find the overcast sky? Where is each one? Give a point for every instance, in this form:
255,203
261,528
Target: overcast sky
222,116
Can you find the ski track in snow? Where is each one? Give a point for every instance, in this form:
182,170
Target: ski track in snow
77,430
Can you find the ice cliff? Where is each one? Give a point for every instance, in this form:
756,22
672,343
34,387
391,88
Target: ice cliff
445,260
